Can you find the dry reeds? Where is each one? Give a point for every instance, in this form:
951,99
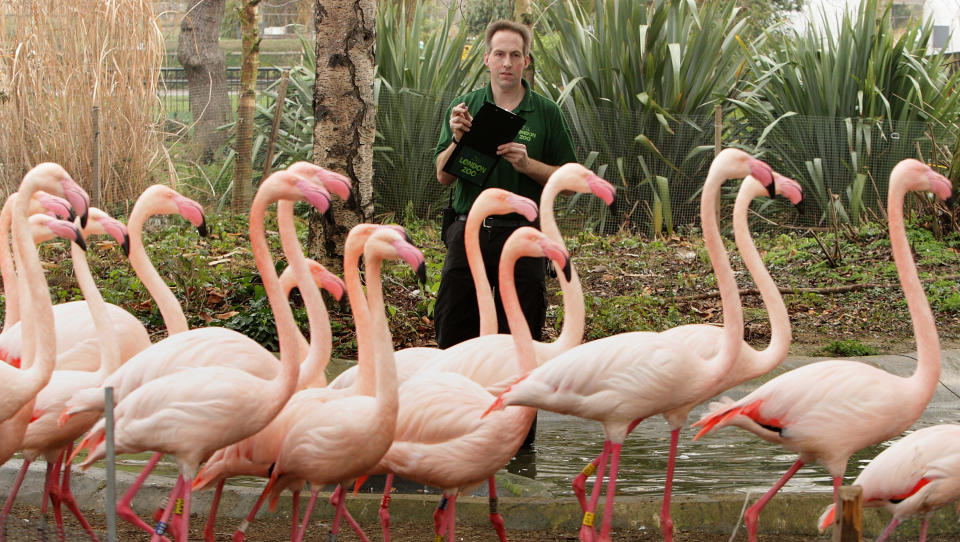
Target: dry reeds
60,59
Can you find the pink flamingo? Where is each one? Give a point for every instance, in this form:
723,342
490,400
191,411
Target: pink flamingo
493,201
916,475
13,429
623,379
43,436
438,422
194,412
749,363
73,322
254,456
41,203
828,410
319,447
485,359
19,386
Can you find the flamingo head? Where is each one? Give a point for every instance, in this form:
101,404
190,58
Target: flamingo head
45,227
54,206
334,182
525,206
163,200
497,201
788,188
920,176
101,223
576,177
527,241
53,179
389,242
327,280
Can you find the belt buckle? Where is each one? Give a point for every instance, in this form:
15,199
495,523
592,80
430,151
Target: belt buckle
488,223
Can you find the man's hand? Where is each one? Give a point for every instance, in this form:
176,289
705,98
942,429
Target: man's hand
460,120
516,154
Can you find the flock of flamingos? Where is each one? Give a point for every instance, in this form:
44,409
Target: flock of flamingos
224,406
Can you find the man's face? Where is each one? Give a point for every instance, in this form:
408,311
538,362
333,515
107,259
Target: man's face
505,59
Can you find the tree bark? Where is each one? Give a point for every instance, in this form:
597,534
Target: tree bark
250,50
198,51
344,110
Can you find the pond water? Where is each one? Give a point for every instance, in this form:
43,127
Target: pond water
726,460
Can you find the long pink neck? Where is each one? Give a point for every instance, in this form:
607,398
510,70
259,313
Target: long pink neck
386,368
365,383
780,336
9,274
519,329
471,241
318,353
574,311
729,295
924,326
170,310
39,348
109,350
285,383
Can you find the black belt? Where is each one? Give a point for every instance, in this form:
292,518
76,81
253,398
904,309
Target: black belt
500,222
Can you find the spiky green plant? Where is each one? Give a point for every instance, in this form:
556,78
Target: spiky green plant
419,70
638,82
837,108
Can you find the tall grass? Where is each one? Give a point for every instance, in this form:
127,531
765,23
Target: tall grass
60,60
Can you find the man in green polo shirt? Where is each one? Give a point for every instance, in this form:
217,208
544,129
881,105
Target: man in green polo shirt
543,144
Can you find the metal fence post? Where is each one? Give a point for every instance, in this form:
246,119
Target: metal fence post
111,467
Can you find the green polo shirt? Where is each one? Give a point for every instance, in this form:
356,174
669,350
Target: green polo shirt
545,134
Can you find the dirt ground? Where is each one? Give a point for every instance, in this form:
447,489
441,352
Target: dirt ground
275,529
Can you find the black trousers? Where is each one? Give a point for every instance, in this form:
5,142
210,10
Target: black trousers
456,315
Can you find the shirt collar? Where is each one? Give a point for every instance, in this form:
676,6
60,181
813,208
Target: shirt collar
526,104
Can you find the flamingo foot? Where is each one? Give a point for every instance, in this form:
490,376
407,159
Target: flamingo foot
666,525
127,514
497,520
587,534
241,533
384,514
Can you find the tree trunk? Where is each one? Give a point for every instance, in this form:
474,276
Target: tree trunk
199,53
250,45
345,117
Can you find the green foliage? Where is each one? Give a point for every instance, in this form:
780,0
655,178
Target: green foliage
837,109
419,72
477,14
849,348
646,111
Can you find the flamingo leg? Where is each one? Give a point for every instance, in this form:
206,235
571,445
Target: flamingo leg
580,481
611,492
240,534
923,528
385,507
165,518
306,515
587,531
123,507
7,506
340,495
888,529
66,495
56,499
753,513
451,521
294,513
438,517
184,529
209,528
495,518
666,522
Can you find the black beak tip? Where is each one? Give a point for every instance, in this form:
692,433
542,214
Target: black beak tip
951,201
614,203
567,270
71,216
772,189
422,273
202,228
126,246
801,205
83,219
80,241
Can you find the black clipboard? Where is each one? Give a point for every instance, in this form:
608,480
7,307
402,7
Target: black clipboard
474,158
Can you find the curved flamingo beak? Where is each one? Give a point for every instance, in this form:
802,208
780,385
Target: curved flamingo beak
414,259
193,212
67,230
523,205
315,195
601,188
558,255
788,188
77,197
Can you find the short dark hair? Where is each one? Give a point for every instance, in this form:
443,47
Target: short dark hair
512,26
